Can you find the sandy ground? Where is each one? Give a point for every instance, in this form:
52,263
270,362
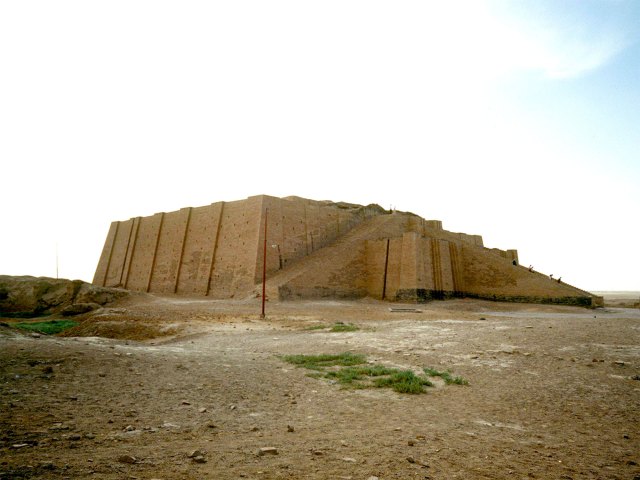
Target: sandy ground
554,393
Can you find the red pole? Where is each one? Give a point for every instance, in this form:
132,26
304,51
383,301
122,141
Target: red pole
264,262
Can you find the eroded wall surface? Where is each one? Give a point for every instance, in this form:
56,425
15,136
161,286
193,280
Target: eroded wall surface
314,250
218,249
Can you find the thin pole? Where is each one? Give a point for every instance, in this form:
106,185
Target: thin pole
264,262
386,266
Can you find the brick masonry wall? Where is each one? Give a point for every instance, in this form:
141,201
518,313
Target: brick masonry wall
199,249
315,249
218,249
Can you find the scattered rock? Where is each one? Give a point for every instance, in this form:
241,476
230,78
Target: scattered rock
349,460
267,451
619,363
373,478
199,459
254,429
19,445
75,437
411,443
196,453
202,410
290,428
184,402
127,459
129,428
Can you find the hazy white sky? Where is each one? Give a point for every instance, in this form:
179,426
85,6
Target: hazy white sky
516,120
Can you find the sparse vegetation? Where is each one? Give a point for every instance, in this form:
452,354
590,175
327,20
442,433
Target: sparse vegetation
48,328
404,381
318,362
446,376
348,375
344,327
349,371
317,327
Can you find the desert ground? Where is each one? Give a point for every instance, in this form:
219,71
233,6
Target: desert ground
188,388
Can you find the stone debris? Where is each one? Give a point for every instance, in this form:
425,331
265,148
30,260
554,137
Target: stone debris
202,410
349,460
196,453
169,425
184,402
290,428
417,462
267,451
127,459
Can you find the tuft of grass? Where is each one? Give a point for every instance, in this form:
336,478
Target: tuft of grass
48,328
344,327
446,376
317,327
350,372
318,362
348,375
404,381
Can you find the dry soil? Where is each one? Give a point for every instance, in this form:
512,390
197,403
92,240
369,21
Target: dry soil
554,393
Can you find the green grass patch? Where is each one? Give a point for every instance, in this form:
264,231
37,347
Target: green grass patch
404,381
318,362
317,327
344,327
349,375
349,370
48,328
446,376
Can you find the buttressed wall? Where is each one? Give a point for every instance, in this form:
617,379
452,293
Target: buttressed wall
315,249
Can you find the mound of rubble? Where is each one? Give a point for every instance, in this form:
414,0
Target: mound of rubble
28,297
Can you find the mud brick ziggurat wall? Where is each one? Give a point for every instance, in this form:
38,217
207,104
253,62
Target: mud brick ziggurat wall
315,249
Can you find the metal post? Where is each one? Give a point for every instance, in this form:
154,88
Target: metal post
386,266
264,262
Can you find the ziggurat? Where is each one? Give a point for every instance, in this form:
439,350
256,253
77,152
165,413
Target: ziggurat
315,249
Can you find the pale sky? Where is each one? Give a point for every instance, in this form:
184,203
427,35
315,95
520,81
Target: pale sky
515,120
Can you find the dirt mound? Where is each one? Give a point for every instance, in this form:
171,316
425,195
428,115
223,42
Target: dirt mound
121,327
28,297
